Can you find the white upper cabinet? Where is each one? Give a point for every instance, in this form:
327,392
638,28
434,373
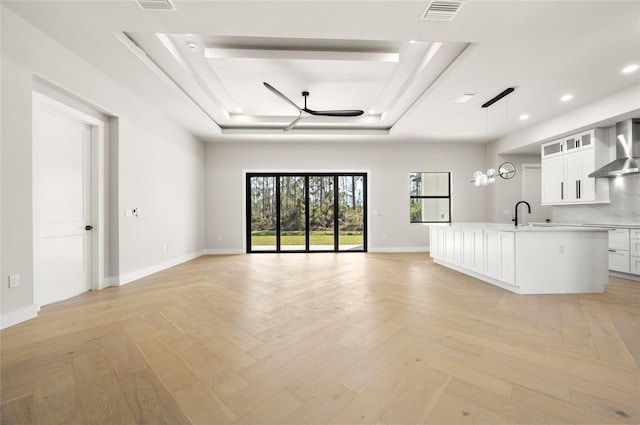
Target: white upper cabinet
553,148
553,180
580,140
566,165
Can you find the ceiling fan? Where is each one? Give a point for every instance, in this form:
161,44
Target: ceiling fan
305,94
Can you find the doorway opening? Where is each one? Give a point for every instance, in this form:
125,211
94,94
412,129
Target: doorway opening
532,192
306,212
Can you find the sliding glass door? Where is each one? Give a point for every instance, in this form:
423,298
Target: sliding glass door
298,212
321,213
292,228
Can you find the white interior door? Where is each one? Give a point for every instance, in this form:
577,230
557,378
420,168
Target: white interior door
64,174
532,193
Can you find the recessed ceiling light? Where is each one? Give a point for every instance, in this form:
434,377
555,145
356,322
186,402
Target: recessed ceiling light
192,46
412,41
465,98
524,117
372,112
630,68
566,97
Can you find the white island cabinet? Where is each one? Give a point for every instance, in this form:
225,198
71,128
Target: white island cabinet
526,259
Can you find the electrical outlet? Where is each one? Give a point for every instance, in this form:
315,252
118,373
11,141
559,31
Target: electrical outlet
135,212
14,280
165,247
128,212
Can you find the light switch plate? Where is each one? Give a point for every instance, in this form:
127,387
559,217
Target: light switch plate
14,280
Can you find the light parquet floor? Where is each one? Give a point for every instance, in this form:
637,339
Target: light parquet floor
324,339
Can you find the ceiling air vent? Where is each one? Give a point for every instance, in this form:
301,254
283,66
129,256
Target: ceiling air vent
156,4
442,10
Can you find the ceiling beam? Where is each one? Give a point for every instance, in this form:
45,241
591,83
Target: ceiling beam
338,55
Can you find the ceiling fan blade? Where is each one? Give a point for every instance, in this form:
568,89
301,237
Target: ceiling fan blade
336,113
293,123
280,95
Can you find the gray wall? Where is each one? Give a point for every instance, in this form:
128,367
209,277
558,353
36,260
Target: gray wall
503,194
388,167
153,164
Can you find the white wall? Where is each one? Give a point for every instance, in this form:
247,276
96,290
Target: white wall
625,193
503,195
154,165
617,106
388,167
163,177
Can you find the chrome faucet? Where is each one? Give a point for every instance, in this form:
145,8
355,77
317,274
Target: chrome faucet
528,206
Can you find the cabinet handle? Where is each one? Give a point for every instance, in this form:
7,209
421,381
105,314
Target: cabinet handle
577,189
561,190
612,250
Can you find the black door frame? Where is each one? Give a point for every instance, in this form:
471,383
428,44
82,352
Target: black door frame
336,215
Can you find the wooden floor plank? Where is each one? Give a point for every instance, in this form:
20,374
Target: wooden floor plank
322,407
101,397
17,411
55,398
203,406
272,411
366,338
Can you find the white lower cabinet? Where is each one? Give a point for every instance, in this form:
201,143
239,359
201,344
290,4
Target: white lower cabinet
449,245
499,256
530,260
462,247
619,260
491,253
619,244
635,265
634,250
472,250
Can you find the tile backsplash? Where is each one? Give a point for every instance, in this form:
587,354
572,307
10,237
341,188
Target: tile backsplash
624,206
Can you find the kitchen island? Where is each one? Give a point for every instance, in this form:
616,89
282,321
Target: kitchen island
527,259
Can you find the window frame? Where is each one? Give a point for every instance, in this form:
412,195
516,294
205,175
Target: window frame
420,197
278,248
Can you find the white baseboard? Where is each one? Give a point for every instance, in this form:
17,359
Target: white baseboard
401,249
223,251
624,275
139,274
19,316
390,249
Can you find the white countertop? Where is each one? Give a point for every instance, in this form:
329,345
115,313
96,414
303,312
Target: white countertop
609,226
540,227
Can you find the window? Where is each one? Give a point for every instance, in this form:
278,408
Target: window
301,212
430,197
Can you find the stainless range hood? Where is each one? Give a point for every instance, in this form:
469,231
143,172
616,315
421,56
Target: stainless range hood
627,151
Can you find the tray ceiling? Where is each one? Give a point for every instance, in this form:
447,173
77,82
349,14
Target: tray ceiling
224,76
